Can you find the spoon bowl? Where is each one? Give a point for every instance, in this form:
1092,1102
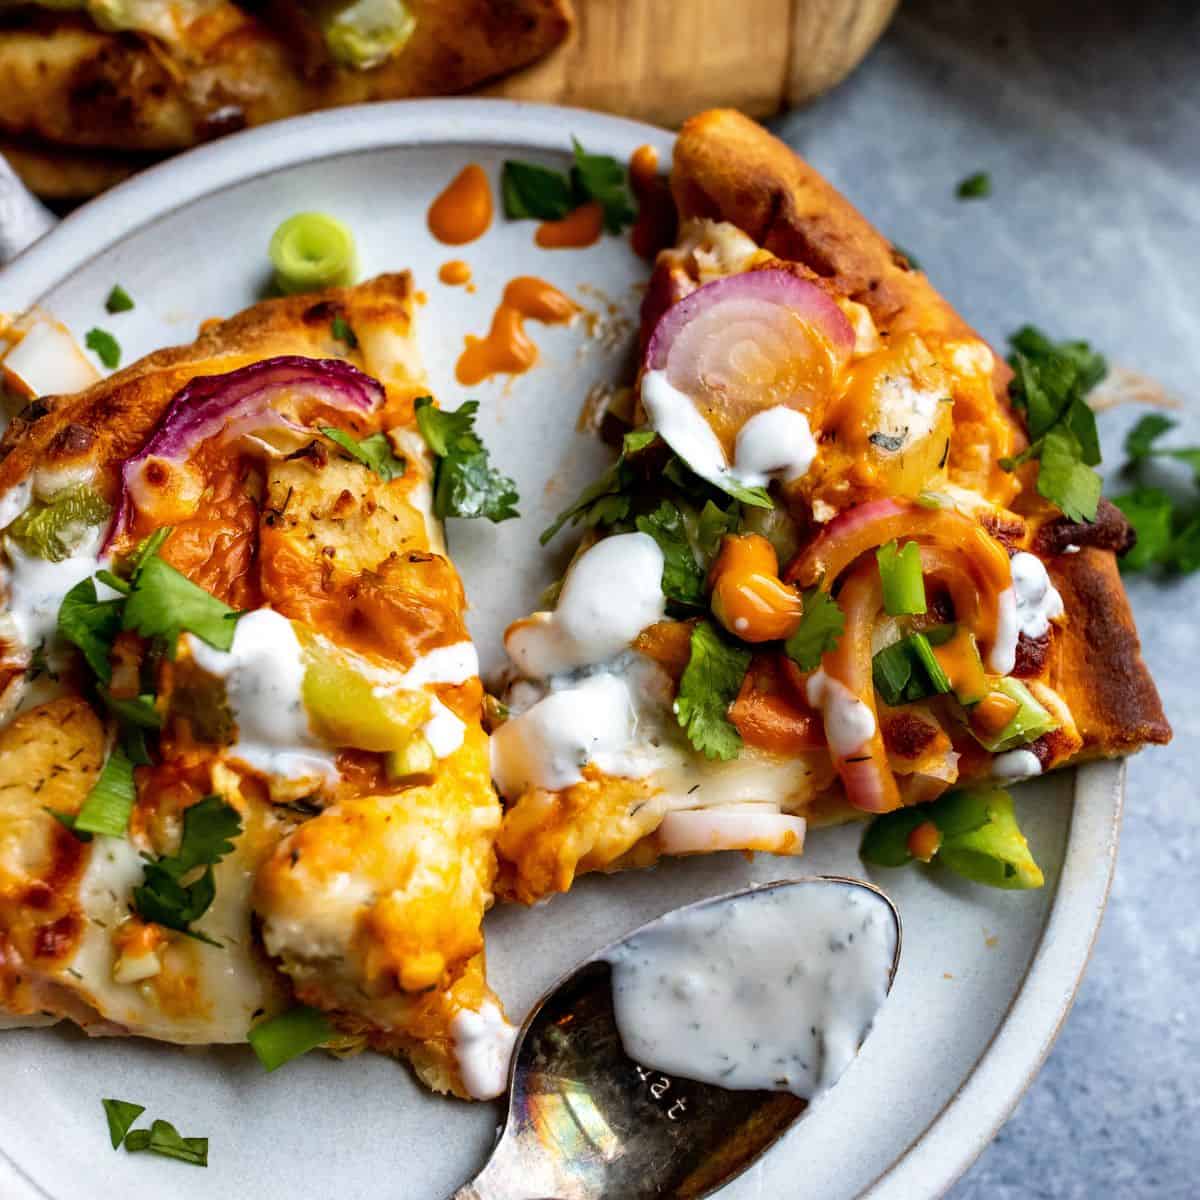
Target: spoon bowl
587,1122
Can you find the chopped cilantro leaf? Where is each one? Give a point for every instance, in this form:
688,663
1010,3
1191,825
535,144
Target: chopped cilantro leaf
715,522
343,333
108,805
209,827
91,624
465,483
707,688
165,603
119,300
374,452
600,177
682,578
974,187
1065,479
1139,441
533,192
121,1115
163,1138
607,500
819,631
1050,382
105,347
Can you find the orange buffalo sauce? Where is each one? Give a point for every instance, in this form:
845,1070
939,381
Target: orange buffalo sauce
455,273
656,219
507,348
579,228
463,211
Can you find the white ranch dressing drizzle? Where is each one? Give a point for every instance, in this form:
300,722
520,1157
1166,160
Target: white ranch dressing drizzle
15,501
772,990
1038,601
1016,764
1003,655
849,723
452,664
775,442
611,593
483,1045
444,730
263,672
36,586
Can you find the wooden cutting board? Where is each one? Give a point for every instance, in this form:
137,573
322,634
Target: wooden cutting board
662,60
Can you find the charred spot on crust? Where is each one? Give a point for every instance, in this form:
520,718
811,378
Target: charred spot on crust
71,440
57,938
323,312
1109,531
1006,529
1032,654
35,410
907,736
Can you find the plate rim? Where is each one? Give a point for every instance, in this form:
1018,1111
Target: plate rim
963,1128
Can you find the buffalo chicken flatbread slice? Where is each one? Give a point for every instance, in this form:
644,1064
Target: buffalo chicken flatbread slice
241,761
145,77
813,586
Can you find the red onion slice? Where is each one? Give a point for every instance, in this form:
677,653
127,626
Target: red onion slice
760,335
241,400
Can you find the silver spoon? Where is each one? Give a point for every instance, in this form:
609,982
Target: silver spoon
586,1122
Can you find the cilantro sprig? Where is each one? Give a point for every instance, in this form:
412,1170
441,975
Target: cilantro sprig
209,828
531,191
1167,523
165,603
1050,383
683,577
465,483
708,686
819,631
374,452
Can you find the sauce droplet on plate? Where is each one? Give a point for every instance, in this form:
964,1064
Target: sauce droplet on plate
656,220
580,227
507,349
455,273
463,211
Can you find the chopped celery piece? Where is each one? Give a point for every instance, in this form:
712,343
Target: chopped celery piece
415,759
281,1038
980,838
900,574
346,709
311,251
365,33
1027,725
54,529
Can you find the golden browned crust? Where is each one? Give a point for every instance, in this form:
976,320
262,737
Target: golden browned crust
69,84
57,173
1099,669
727,167
110,421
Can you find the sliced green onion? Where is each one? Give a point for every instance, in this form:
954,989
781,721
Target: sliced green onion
311,251
365,33
108,805
900,574
1030,721
280,1039
908,670
415,758
54,529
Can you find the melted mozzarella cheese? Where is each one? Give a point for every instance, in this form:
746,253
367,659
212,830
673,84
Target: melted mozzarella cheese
263,672
1037,599
483,1045
848,721
610,595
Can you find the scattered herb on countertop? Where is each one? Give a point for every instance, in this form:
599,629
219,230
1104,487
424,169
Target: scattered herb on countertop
119,300
465,484
977,186
161,1138
105,347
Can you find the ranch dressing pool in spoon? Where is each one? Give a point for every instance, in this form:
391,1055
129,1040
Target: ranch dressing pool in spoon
775,989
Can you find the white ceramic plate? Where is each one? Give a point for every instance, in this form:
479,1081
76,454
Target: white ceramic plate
986,977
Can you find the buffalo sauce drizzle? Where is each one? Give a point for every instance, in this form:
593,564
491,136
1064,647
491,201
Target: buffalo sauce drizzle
654,228
507,348
455,273
463,211
580,227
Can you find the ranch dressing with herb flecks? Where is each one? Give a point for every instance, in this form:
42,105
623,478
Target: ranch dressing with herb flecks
775,989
